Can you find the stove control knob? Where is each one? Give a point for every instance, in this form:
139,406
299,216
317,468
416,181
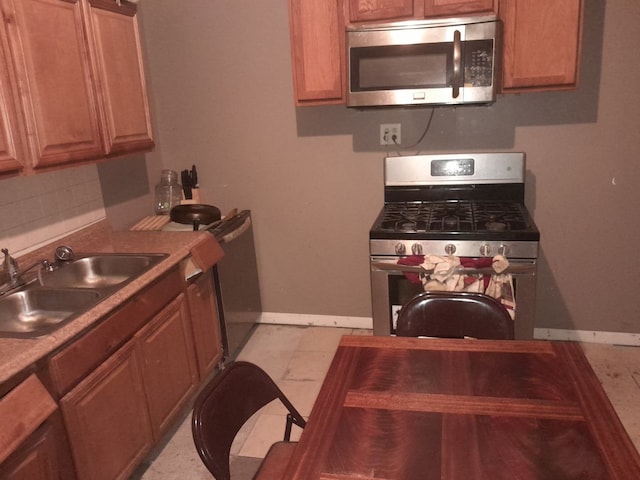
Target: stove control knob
416,249
485,249
503,250
400,248
450,249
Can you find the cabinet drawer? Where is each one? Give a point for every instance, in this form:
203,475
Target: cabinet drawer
22,411
68,367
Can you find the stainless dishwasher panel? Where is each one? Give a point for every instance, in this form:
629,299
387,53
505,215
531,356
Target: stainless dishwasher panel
236,283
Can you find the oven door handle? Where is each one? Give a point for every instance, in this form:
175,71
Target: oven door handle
514,269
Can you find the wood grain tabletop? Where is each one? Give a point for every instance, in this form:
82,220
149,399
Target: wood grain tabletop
414,408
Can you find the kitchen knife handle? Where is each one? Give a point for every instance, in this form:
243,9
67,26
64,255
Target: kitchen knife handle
194,177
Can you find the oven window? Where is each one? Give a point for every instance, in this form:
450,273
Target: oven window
401,67
401,291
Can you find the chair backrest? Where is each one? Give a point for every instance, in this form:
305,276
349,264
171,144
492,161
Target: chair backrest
223,407
454,315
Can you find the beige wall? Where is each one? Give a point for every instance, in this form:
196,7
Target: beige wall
220,72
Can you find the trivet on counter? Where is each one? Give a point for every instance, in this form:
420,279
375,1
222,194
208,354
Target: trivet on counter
152,222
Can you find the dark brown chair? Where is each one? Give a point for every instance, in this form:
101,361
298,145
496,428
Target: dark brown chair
454,315
225,405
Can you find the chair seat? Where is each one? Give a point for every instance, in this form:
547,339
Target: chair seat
276,461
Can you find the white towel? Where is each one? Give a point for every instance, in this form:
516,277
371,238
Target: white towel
444,276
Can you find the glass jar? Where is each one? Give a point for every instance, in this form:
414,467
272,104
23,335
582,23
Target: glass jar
168,192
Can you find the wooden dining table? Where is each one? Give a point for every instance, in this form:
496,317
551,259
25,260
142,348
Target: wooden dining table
416,408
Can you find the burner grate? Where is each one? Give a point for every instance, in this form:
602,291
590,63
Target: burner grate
453,216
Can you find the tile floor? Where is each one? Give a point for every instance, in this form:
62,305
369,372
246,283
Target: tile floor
297,358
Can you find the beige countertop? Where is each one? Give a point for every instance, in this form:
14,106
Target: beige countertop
19,355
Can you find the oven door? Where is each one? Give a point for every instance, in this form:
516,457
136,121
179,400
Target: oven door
391,289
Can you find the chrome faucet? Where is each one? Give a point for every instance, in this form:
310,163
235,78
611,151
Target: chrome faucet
13,274
10,266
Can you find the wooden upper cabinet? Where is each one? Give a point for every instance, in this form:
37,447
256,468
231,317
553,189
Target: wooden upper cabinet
317,47
115,39
542,42
54,82
10,159
72,84
390,10
368,10
448,8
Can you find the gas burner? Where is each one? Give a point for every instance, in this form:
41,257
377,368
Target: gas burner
496,226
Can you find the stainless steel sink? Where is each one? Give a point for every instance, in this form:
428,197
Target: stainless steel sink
35,311
100,271
57,296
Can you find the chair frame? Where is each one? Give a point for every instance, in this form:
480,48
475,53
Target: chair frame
225,404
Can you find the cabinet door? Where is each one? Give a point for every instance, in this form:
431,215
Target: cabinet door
9,136
59,102
40,457
115,40
367,10
317,46
107,418
33,444
168,364
206,324
542,40
446,8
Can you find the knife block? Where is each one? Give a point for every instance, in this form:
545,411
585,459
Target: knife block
195,198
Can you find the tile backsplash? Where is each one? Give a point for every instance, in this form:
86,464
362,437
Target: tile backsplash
37,209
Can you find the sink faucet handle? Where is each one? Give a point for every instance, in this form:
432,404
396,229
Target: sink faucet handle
64,253
47,265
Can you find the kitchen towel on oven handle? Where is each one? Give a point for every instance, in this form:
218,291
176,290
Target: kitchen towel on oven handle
451,273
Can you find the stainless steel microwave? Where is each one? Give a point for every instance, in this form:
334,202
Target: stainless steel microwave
431,62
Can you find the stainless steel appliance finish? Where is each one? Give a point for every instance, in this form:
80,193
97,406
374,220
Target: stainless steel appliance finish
429,62
468,205
236,282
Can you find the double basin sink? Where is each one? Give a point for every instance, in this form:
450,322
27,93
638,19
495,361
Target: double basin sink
55,297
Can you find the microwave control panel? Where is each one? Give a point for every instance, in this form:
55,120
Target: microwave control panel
478,63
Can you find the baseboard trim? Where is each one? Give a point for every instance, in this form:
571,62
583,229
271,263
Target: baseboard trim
316,320
588,336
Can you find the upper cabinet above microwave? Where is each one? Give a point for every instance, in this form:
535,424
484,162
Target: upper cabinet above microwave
75,85
542,40
367,10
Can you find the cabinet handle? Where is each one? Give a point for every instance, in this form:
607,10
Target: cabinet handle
457,65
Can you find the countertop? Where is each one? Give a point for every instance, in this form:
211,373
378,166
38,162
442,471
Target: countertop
20,355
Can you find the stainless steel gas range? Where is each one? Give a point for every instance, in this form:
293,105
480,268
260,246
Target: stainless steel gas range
470,206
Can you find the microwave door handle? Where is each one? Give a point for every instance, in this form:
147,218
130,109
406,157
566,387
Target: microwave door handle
457,64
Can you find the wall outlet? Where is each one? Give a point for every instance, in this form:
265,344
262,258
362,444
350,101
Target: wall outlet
390,134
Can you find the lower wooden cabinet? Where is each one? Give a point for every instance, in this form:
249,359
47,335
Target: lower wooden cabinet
33,442
98,406
169,367
44,456
116,414
107,418
206,324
